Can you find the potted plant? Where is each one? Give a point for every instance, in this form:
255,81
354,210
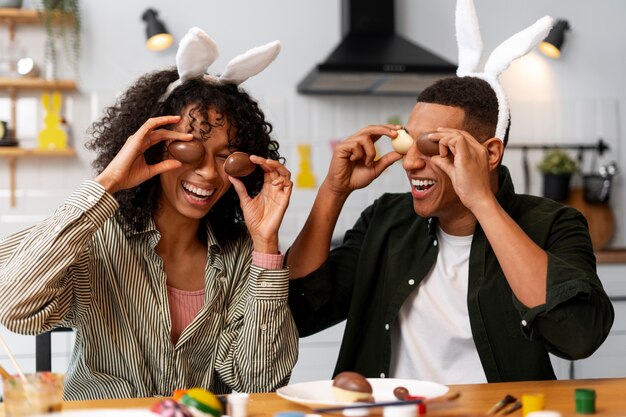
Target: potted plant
557,167
61,19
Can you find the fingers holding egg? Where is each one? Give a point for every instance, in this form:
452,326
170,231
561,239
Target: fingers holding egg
402,142
238,164
425,145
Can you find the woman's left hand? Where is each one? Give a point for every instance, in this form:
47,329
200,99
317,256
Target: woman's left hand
264,213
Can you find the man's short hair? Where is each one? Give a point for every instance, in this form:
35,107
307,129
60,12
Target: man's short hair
477,99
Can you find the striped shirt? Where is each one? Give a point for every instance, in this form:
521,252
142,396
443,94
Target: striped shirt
79,268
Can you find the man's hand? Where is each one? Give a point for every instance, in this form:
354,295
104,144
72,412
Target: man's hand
353,166
467,163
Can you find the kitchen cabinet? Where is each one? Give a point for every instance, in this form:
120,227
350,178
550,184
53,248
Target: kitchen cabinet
12,86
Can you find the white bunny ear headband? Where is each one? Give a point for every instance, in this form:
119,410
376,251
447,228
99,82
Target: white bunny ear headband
470,49
197,51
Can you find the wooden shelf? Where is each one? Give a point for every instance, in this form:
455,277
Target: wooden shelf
12,153
19,16
13,17
30,16
29,83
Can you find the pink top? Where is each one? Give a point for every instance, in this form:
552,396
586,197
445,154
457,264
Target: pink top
185,305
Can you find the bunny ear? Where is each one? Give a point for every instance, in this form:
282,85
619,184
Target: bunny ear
468,37
196,52
56,101
250,63
45,99
517,45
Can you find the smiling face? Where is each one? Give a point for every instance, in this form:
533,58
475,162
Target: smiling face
193,189
432,190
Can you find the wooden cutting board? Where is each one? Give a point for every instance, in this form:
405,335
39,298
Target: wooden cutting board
599,216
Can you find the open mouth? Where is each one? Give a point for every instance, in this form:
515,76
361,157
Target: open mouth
422,186
197,193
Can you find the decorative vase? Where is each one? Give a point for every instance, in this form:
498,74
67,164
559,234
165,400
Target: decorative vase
556,186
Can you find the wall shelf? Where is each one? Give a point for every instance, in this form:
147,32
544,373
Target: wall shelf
26,83
12,17
11,154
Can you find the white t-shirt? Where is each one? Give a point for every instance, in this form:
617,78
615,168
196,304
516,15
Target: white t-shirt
432,340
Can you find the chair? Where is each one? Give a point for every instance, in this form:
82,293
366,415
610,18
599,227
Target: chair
43,349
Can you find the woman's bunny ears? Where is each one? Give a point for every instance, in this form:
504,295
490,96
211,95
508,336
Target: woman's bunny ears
470,49
197,51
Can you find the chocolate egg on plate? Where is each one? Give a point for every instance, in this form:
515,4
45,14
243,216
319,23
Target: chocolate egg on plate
238,164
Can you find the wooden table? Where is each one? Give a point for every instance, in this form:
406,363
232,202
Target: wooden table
475,399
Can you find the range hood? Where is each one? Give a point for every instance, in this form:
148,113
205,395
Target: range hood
372,59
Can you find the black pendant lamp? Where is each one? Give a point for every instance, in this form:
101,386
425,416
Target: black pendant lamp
551,45
158,38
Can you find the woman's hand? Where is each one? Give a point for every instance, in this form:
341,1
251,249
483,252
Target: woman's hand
129,168
353,166
264,213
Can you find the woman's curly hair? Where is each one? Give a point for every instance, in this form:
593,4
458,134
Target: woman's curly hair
141,102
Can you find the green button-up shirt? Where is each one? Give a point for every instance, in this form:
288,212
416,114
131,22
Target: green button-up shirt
390,250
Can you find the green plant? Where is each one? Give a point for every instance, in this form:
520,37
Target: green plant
557,162
62,21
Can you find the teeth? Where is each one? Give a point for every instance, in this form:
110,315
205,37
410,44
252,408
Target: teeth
423,183
197,190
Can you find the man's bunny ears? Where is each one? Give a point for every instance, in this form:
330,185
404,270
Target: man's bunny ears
197,51
470,49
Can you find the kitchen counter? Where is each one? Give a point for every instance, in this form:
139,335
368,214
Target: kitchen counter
611,256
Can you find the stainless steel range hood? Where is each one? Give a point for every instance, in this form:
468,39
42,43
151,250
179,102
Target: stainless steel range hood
372,59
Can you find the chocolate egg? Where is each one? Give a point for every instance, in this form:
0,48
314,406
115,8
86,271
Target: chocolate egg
426,146
238,164
187,152
400,393
351,387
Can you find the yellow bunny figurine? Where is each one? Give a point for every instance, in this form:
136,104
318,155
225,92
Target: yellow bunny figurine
52,136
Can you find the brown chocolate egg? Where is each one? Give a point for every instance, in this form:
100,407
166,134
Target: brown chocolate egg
426,146
187,152
238,164
400,393
351,387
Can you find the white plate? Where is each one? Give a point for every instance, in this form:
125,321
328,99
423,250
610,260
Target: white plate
320,394
119,412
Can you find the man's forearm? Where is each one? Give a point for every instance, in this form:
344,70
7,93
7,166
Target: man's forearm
524,263
312,246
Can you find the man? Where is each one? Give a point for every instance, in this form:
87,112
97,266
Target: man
461,280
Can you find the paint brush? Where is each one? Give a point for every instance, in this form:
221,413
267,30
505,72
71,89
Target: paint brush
4,373
440,399
509,409
367,405
508,399
12,359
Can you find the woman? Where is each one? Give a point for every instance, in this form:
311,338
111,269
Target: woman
170,276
